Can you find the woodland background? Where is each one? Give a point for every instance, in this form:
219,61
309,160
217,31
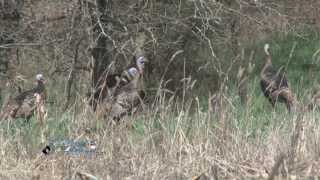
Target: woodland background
195,48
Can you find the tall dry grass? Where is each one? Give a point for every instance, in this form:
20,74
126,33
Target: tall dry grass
167,141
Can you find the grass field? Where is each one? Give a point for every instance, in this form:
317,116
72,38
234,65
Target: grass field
175,140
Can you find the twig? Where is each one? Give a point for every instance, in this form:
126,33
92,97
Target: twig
13,45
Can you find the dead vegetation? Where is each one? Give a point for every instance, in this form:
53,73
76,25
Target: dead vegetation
161,153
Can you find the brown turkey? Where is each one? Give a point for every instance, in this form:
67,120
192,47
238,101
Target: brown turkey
111,82
24,105
274,84
127,97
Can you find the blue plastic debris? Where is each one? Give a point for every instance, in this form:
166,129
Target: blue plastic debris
71,147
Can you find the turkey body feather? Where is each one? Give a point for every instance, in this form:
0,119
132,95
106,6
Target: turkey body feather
23,105
127,97
274,84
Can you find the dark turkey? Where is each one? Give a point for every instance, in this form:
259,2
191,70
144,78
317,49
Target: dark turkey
111,82
127,97
274,84
105,88
24,105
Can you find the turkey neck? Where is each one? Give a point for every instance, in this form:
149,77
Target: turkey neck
267,64
40,86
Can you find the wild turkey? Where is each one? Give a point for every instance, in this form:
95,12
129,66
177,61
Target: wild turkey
104,105
111,82
127,97
25,103
107,87
274,84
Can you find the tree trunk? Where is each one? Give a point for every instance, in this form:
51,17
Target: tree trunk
103,51
10,16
